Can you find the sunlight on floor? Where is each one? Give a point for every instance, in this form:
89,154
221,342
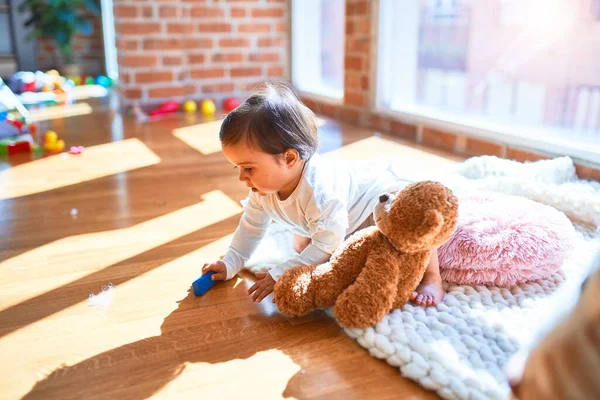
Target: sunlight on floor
205,137
138,310
202,137
58,263
57,112
237,282
378,147
66,169
264,375
419,164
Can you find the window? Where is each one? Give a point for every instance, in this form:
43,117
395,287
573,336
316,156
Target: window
318,46
528,69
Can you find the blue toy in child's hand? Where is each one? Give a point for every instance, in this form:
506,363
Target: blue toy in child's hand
202,284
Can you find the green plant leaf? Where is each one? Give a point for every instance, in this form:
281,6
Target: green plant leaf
93,6
67,16
84,27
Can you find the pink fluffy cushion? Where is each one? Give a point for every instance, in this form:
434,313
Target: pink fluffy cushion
504,240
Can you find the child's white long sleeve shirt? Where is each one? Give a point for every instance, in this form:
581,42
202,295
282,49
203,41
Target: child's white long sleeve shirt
332,199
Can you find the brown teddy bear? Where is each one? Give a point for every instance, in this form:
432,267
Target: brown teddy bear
377,268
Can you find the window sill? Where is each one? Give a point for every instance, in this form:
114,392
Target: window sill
325,96
529,138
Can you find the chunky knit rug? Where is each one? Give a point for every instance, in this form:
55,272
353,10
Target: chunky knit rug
459,349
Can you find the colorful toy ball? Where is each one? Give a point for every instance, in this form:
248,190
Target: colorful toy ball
103,81
189,106
230,104
90,80
208,107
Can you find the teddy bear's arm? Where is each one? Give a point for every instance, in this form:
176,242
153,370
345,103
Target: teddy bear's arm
372,295
412,269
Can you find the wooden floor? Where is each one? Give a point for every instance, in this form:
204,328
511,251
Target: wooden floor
143,208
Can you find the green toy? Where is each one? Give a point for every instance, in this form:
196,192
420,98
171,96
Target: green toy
4,147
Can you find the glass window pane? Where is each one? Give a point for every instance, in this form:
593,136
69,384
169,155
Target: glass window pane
318,46
525,67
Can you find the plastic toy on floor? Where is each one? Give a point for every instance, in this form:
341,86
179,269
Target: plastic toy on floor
8,130
76,150
202,284
230,104
189,106
103,81
208,108
166,108
52,144
12,147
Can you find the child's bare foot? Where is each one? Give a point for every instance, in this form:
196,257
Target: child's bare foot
429,292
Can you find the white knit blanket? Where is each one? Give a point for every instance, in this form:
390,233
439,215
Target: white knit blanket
459,349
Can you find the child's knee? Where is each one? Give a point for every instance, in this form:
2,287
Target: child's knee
300,243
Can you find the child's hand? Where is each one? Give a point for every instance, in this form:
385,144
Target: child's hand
262,287
219,269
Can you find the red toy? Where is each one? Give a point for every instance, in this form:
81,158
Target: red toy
19,147
169,107
230,104
16,123
29,87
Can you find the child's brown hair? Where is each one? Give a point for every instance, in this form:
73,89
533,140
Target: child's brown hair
273,120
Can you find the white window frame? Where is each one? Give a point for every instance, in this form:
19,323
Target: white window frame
305,62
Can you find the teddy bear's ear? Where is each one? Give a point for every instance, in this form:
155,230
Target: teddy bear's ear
433,221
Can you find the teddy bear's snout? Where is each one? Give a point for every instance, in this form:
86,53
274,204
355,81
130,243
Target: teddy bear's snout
383,198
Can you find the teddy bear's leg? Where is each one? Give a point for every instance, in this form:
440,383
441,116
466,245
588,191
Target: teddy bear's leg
344,267
294,291
302,289
413,270
370,298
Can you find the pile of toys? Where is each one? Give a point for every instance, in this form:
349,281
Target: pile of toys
207,108
52,81
18,138
15,135
16,131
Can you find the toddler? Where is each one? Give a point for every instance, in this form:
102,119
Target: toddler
271,139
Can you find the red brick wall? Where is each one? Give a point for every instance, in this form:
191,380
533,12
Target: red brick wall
357,103
175,49
88,51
